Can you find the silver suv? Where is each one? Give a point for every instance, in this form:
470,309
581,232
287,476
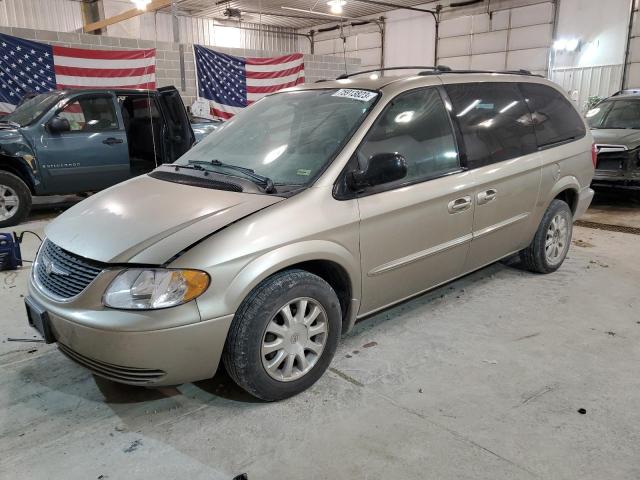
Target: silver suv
312,208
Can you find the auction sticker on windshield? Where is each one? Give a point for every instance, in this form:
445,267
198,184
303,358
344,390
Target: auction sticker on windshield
362,95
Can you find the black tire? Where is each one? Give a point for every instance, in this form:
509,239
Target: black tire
242,352
16,184
534,257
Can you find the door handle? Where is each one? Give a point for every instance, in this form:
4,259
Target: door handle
112,141
459,204
487,196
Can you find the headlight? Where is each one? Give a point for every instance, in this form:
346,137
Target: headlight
148,289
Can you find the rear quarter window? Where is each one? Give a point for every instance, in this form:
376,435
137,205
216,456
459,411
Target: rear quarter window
494,120
555,120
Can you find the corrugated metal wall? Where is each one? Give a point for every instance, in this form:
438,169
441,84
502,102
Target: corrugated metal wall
583,82
56,15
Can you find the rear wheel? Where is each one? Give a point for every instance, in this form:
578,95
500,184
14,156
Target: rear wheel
284,335
15,200
551,242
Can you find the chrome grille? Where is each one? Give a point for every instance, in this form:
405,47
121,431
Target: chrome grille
62,274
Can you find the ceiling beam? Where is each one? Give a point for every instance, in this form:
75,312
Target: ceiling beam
126,15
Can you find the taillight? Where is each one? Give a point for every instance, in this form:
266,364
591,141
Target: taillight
594,155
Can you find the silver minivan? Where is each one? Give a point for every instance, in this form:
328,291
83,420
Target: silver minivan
312,208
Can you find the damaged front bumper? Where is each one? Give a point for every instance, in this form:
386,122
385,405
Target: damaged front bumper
617,165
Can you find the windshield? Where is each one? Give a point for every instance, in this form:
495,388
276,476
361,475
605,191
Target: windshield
32,108
288,137
616,114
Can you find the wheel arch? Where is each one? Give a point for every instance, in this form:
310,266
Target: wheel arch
566,189
19,169
330,261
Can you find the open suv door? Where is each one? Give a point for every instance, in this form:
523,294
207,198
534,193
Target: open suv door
180,136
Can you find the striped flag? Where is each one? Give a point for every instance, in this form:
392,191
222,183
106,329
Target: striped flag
232,83
33,67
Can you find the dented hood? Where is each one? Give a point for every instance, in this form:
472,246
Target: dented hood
146,220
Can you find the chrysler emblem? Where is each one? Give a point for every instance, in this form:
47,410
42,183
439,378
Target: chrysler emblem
53,269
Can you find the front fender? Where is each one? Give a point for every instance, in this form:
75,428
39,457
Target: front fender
286,256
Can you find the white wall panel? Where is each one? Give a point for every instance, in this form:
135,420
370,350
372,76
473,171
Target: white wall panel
532,15
454,46
489,61
489,42
530,37
455,27
500,20
457,63
481,23
56,15
534,59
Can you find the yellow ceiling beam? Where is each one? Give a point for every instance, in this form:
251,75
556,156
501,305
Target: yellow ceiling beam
126,15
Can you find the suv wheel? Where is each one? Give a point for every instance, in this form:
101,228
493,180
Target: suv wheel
15,200
551,242
284,335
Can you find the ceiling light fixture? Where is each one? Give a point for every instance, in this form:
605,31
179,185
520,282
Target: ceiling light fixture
336,6
141,4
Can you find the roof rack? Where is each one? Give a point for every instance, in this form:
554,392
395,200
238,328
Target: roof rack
437,68
505,72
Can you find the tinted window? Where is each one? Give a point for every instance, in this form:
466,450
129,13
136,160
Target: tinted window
554,118
90,114
494,119
415,125
615,114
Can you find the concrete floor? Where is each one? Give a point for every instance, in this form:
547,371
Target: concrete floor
481,379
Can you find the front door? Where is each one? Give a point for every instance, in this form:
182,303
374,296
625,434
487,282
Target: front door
501,150
179,136
414,233
92,155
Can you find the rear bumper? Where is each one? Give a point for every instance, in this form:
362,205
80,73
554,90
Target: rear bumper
584,200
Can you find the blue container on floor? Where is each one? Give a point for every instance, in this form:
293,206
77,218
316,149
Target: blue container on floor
10,256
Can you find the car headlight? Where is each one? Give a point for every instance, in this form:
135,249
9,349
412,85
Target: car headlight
153,288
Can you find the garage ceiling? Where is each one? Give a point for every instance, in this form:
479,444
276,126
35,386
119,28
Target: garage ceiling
274,14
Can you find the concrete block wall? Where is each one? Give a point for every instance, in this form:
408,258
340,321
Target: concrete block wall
317,67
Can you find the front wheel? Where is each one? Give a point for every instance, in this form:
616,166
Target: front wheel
15,200
551,242
284,335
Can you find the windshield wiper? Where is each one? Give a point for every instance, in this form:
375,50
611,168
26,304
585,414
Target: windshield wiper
9,122
260,180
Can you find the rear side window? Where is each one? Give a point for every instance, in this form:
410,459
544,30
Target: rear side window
494,120
554,118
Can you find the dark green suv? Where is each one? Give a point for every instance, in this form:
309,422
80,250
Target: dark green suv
66,142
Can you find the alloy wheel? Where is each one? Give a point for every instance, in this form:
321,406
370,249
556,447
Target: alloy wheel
294,339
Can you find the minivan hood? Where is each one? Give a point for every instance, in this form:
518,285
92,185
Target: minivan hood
148,221
628,138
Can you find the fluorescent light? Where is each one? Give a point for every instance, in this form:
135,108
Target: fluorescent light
311,12
469,108
572,45
141,4
336,5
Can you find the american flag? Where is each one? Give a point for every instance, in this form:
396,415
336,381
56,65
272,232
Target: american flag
232,83
33,67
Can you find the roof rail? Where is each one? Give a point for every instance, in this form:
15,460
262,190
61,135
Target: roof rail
437,68
627,91
506,72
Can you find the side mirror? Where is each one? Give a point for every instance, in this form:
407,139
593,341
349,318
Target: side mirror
59,125
382,168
